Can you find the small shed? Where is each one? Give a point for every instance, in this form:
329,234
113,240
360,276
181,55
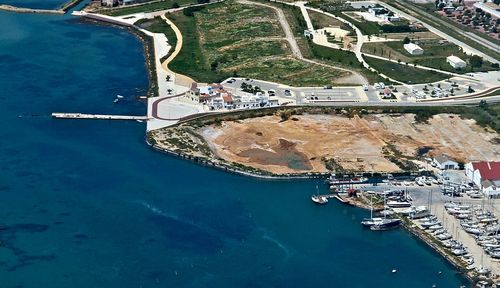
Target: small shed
444,162
456,62
413,49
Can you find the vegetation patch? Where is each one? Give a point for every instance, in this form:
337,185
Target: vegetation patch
435,53
231,39
404,72
149,7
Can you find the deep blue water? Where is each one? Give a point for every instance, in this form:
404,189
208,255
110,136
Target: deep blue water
88,204
35,4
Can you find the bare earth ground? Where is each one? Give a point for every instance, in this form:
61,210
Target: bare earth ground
298,144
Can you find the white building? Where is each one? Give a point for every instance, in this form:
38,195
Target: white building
486,176
375,11
456,62
216,97
490,189
413,49
444,162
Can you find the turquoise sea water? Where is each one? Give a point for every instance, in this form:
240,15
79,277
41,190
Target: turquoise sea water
88,204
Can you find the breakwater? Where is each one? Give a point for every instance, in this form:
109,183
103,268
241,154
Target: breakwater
62,10
30,10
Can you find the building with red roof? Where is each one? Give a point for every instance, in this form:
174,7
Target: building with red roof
486,175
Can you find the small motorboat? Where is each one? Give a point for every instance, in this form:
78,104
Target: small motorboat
319,199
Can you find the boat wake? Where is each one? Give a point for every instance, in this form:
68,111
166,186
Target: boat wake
280,245
158,211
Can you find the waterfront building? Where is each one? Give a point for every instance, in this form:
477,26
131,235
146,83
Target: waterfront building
216,97
413,49
485,175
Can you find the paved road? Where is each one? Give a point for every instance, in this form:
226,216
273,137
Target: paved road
440,33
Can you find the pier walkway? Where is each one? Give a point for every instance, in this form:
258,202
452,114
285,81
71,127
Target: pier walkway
97,116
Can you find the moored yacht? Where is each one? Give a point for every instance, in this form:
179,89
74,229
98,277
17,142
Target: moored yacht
386,224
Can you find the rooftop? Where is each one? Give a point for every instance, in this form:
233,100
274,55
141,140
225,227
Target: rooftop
488,170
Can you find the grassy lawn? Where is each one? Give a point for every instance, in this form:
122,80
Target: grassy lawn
147,7
320,20
367,28
434,56
291,71
404,73
344,59
243,40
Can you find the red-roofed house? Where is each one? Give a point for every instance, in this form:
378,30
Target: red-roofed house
486,175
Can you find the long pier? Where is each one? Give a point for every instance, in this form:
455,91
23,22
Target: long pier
97,116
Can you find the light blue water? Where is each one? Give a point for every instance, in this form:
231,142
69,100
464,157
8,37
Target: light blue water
88,204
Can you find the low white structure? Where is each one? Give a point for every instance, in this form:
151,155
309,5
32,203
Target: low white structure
413,49
444,162
456,62
490,189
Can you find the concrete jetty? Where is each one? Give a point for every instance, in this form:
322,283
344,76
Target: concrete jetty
29,10
97,116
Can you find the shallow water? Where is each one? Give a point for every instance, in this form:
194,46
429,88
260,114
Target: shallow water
88,204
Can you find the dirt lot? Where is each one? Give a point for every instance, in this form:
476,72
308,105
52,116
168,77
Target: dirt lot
371,143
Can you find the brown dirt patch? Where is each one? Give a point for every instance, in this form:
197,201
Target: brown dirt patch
353,143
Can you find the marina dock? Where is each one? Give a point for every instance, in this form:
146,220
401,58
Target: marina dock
97,116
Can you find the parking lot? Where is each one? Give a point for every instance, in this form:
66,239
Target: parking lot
304,95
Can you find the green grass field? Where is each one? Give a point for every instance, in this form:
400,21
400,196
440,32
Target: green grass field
243,40
405,73
147,7
367,28
434,56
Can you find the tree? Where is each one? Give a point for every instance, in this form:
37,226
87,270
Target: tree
406,40
476,61
213,65
175,5
483,104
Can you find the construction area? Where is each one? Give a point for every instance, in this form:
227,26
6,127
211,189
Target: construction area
368,143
